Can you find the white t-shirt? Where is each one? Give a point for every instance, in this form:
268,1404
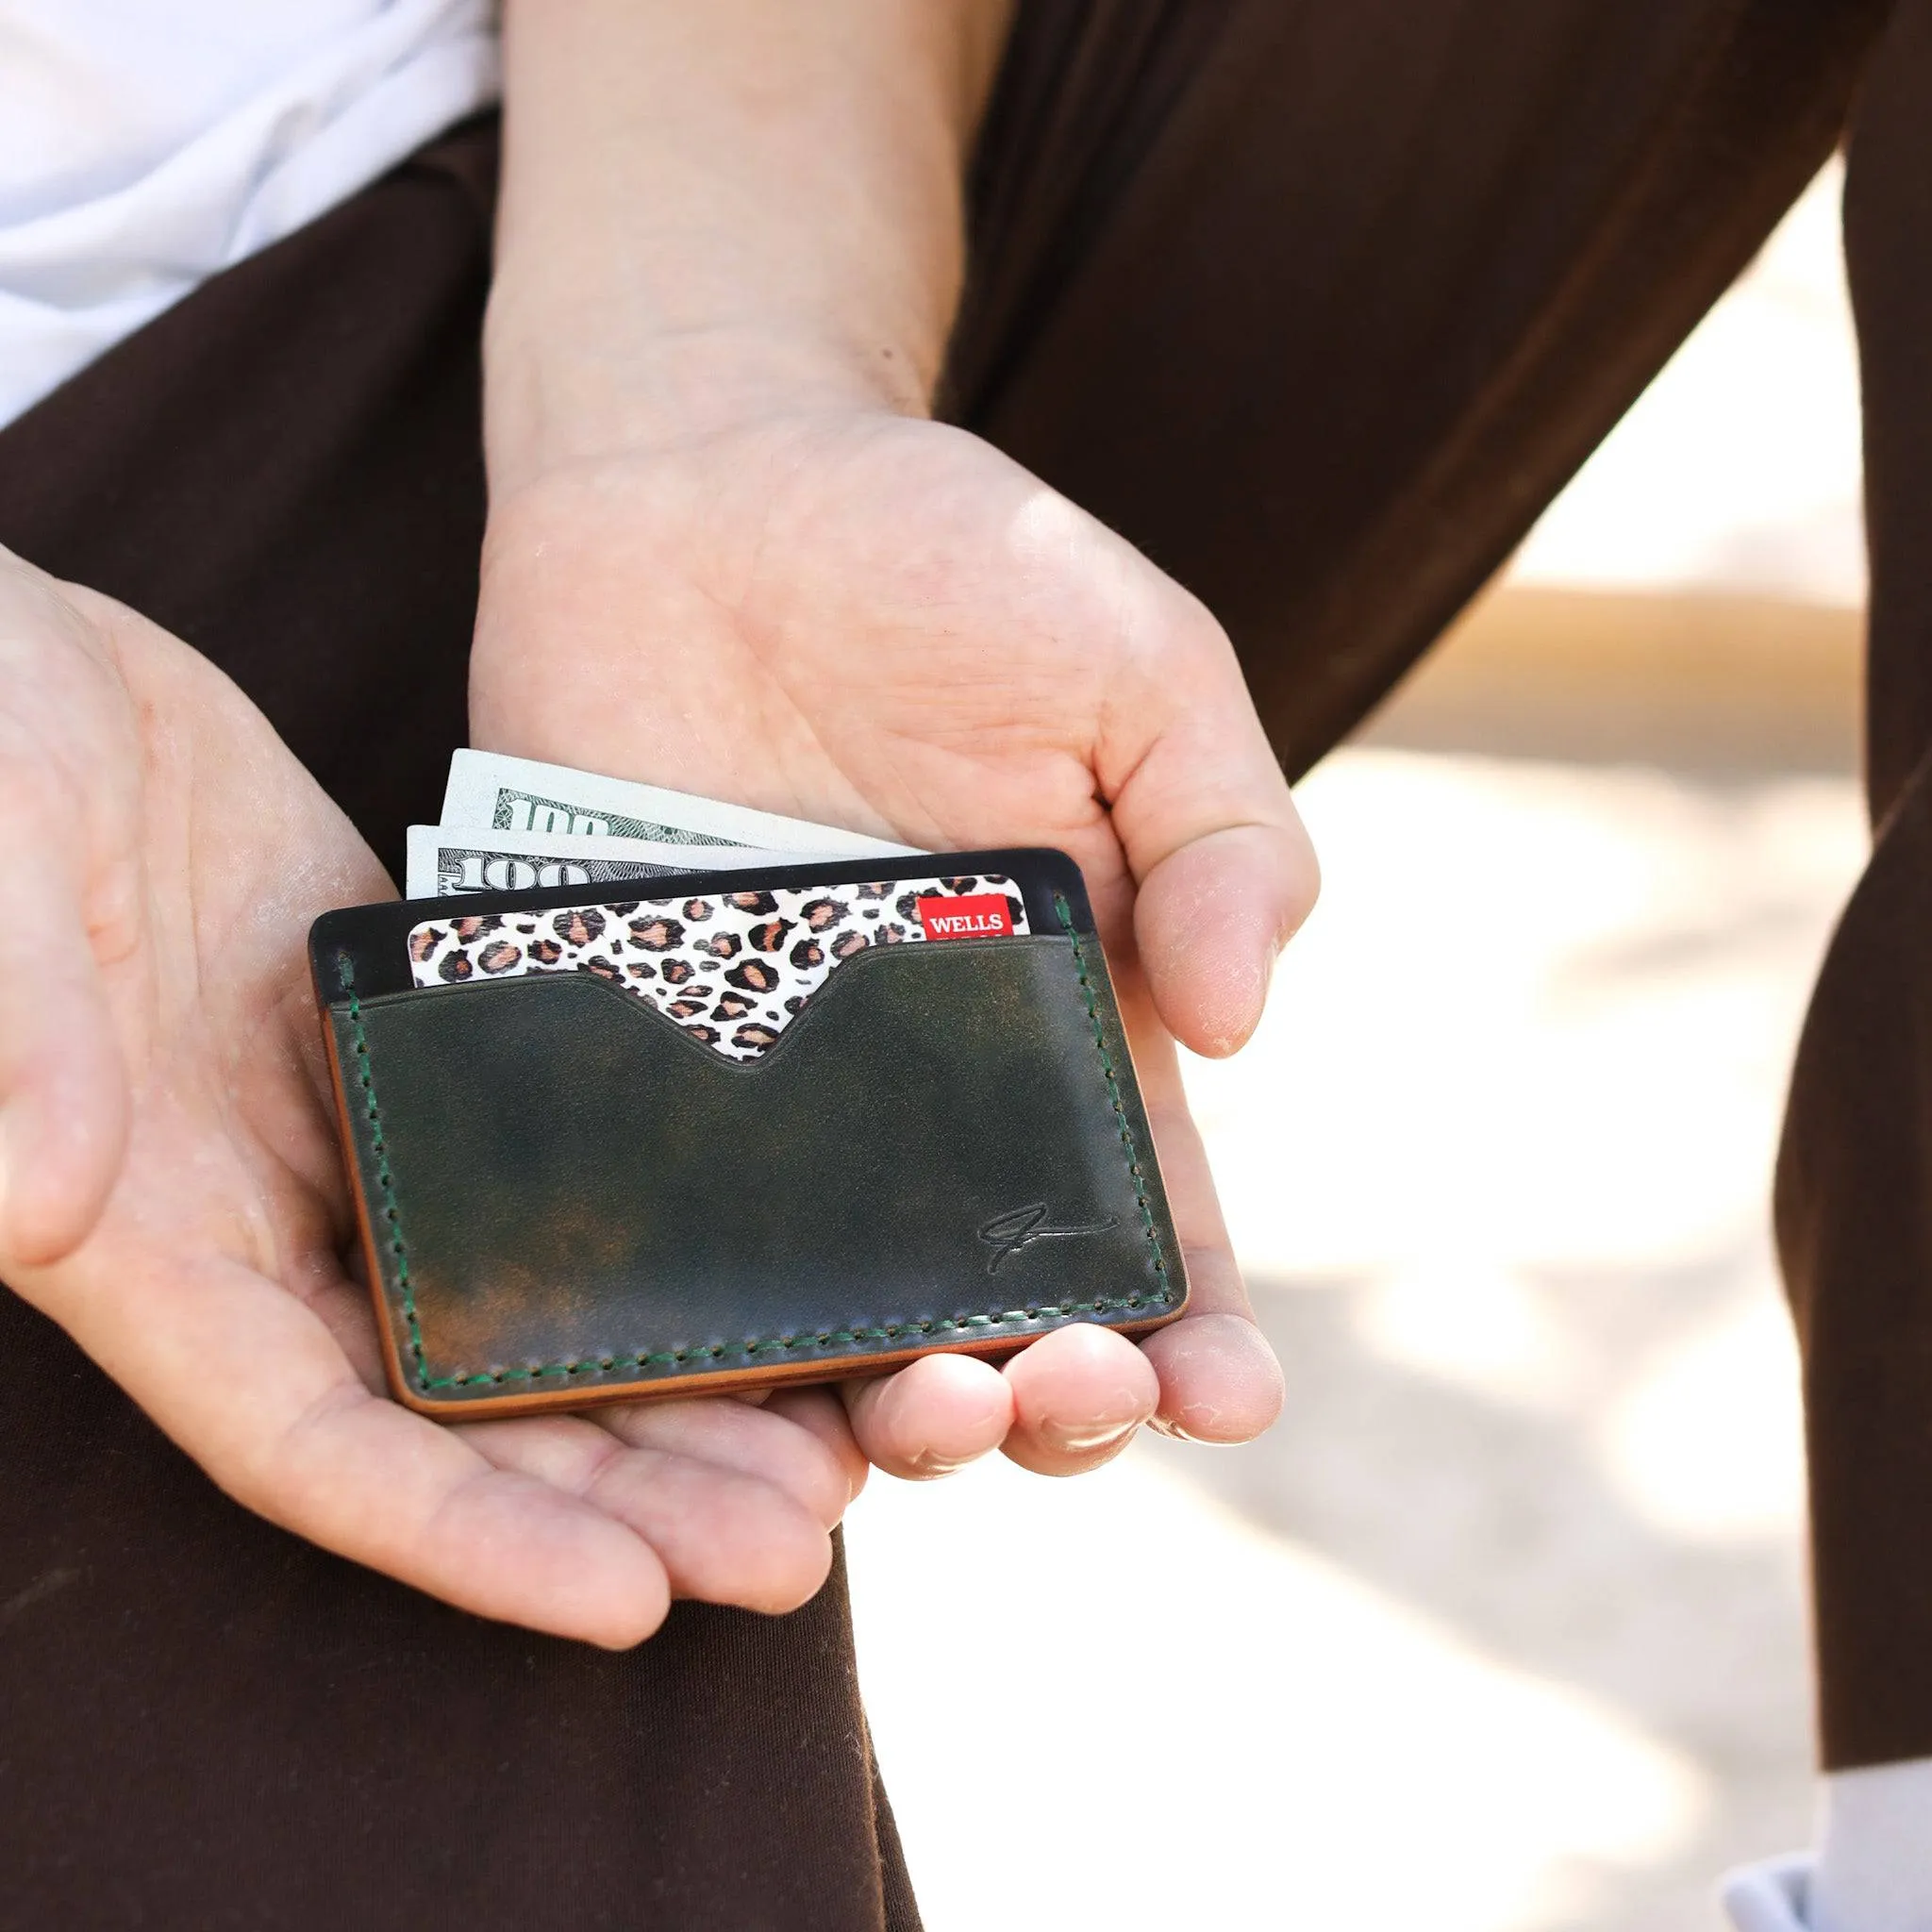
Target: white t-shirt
147,143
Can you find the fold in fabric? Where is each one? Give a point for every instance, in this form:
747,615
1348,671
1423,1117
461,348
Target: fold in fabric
89,258
1773,1897
1872,1871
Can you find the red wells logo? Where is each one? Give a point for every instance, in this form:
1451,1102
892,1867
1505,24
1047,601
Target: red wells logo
972,916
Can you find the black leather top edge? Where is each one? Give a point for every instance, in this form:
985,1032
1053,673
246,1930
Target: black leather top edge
375,938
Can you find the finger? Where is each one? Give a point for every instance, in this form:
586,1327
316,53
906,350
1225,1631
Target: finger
1209,920
822,1412
552,1523
723,1536
1219,1379
361,1476
1224,869
250,1383
1078,1395
326,1458
759,1442
63,1086
932,1417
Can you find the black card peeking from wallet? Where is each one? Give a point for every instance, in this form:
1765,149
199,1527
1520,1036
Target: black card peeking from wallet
787,1121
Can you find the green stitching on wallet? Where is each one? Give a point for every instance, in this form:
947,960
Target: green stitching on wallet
755,1345
384,1176
824,1339
1113,1090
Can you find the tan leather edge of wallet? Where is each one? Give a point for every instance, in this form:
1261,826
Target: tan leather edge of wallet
723,1381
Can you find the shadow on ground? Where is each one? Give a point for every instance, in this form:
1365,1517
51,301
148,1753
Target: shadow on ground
1499,1520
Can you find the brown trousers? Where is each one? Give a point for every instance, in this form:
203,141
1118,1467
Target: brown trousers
1319,302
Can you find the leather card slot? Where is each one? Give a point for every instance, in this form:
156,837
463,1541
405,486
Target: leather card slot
638,1013
735,969
565,1192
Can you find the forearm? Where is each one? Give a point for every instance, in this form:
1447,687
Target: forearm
724,208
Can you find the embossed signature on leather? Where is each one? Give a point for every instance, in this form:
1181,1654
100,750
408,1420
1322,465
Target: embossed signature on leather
1006,1234
565,1198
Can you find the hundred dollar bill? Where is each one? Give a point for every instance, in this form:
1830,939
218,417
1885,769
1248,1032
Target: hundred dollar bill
444,863
490,792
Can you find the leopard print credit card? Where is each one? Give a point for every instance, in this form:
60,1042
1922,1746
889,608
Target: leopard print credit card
732,968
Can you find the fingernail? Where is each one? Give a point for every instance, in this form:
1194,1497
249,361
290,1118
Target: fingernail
1084,1441
926,1466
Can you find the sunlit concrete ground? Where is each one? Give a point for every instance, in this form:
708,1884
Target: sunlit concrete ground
1502,1629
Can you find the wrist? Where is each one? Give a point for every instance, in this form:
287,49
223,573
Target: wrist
716,214
556,400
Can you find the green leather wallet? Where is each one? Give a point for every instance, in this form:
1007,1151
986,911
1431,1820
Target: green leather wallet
789,1123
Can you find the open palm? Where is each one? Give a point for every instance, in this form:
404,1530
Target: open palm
172,1194
882,622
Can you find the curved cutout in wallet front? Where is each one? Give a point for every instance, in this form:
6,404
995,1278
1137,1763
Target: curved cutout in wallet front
566,1197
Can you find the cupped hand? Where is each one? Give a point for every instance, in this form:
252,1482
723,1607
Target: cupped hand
880,622
171,1192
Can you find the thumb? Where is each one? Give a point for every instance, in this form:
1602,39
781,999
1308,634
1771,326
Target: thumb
1224,871
63,1089
1209,919
63,1086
